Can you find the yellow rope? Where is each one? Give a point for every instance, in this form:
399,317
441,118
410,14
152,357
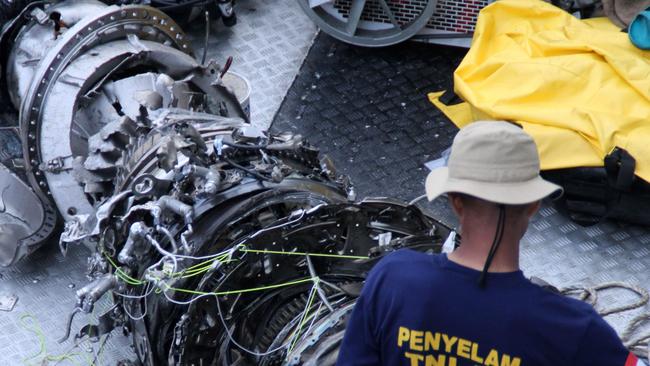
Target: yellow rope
34,327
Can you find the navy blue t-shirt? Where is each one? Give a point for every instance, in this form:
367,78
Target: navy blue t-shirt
424,310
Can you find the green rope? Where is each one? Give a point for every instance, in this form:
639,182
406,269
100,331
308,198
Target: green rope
209,262
198,271
342,256
121,274
194,270
234,292
191,271
35,328
310,301
204,266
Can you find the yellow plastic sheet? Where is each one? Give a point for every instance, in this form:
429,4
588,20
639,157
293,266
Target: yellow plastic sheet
580,88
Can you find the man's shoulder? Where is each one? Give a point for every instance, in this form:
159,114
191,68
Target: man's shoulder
560,304
404,257
404,265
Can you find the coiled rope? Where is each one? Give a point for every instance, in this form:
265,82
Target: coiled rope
638,343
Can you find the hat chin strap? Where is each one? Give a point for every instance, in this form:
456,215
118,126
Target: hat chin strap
498,235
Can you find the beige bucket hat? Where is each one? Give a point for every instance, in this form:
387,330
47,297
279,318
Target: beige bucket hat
495,161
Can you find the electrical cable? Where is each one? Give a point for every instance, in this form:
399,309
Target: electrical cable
162,251
193,299
223,257
143,314
258,354
207,37
225,326
136,297
302,214
169,236
417,199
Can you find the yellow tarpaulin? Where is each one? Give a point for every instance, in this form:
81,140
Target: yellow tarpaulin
580,88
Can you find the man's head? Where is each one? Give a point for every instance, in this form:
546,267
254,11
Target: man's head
479,216
492,178
495,161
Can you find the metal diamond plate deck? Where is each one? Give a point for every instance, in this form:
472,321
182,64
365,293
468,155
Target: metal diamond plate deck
45,286
367,108
268,45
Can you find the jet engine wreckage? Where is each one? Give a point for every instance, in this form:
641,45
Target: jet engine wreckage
214,242
218,243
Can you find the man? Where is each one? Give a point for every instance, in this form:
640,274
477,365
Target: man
474,306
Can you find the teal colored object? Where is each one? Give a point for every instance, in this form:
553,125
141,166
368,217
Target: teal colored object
639,30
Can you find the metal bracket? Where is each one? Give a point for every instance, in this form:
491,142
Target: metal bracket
105,324
40,16
7,302
57,165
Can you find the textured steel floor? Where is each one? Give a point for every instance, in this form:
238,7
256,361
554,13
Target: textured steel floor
45,286
268,45
368,110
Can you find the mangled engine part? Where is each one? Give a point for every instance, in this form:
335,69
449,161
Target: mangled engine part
312,265
18,219
217,243
89,81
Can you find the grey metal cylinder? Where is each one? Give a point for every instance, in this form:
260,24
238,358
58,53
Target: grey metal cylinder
37,38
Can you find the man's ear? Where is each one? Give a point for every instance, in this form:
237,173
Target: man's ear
456,204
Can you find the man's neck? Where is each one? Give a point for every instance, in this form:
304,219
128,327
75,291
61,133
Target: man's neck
474,254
